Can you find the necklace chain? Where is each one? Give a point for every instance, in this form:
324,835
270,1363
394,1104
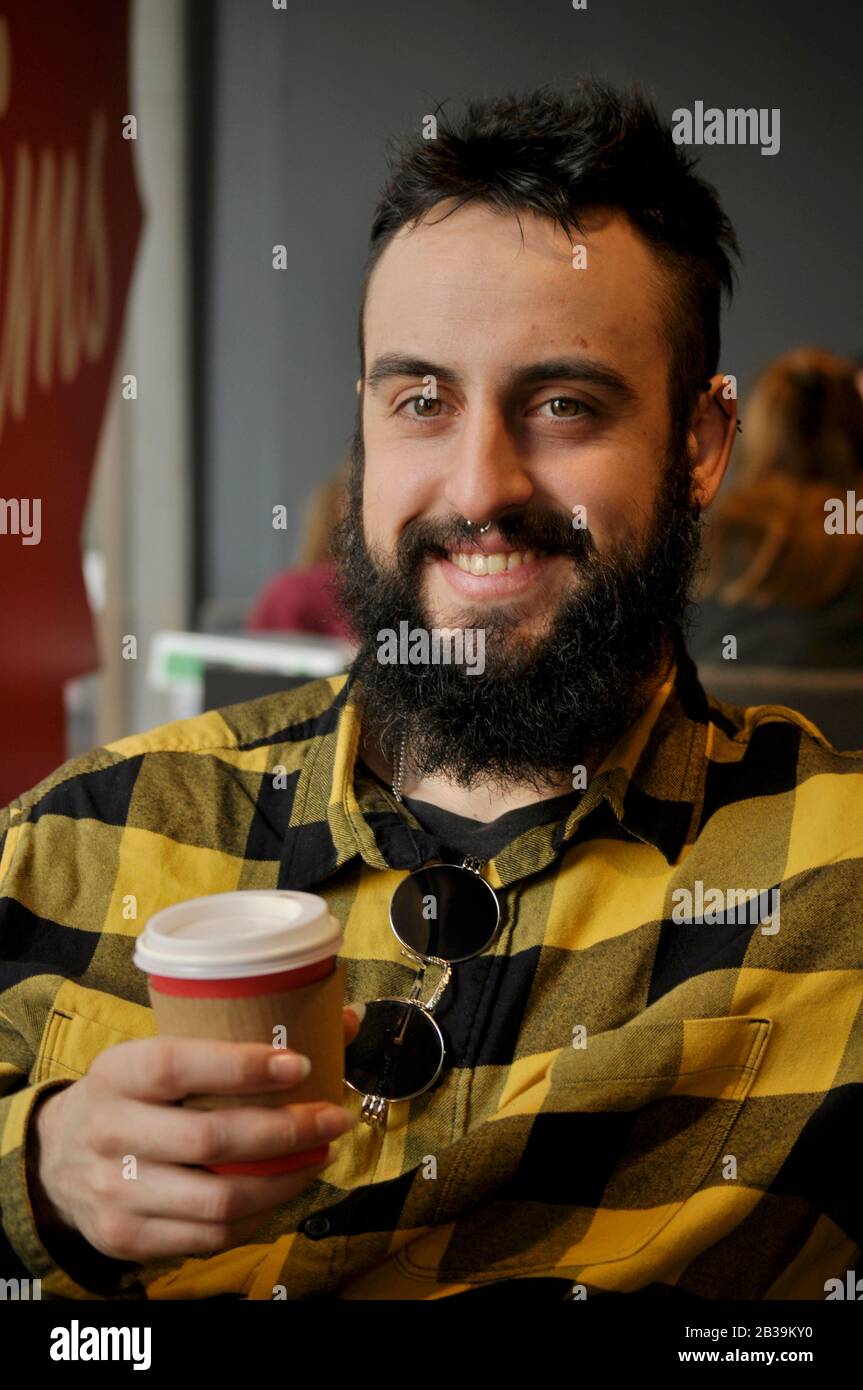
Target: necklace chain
399,772
470,862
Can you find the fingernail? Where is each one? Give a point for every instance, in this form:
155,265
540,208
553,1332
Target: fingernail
290,1066
359,1010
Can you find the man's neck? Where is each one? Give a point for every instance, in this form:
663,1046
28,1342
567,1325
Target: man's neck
482,802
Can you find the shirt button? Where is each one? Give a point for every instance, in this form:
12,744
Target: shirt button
315,1226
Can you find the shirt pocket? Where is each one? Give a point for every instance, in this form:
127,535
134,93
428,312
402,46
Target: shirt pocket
592,1155
82,1023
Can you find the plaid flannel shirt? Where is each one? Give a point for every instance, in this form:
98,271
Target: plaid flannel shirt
629,1104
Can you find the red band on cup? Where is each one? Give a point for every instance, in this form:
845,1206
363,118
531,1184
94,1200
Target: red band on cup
268,1167
245,988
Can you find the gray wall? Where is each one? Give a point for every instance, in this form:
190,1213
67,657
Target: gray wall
304,101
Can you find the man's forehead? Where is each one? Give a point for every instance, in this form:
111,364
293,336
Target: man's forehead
479,271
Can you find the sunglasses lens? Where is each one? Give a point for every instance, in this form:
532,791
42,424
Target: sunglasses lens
445,911
398,1052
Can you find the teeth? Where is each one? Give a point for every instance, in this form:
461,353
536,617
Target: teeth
491,564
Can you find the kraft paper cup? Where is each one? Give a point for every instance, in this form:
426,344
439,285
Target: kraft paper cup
253,966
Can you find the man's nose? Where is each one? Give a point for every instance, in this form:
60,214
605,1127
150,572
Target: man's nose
487,470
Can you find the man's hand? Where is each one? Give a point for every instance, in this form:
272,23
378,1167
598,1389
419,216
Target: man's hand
127,1105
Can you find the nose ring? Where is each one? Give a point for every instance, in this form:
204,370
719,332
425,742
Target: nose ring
481,530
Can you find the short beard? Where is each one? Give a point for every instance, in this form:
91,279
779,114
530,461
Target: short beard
541,706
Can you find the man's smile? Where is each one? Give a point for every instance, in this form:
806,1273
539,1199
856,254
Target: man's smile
472,573
501,560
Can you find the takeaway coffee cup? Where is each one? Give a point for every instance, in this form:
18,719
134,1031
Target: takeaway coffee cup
252,966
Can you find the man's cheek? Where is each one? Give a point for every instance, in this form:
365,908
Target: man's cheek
617,522
377,486
375,523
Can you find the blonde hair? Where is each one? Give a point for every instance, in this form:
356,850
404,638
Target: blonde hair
323,510
802,445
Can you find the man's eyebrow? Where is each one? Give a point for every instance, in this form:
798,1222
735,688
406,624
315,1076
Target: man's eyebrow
585,369
395,364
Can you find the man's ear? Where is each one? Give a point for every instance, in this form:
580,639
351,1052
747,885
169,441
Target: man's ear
710,437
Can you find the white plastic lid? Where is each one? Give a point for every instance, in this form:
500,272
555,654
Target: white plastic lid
256,931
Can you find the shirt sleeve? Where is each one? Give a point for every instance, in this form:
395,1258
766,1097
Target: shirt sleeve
86,1273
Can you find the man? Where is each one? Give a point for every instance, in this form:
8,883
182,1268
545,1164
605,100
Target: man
641,1078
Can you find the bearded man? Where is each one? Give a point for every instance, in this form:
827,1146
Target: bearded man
561,1084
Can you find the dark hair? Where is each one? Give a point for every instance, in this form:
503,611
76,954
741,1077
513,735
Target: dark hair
559,155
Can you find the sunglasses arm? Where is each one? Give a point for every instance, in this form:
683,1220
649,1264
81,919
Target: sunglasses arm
441,986
415,995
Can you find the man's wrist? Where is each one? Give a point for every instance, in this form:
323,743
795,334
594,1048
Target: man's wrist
65,1244
49,1221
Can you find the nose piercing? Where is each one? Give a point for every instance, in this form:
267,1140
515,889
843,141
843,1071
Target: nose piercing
481,530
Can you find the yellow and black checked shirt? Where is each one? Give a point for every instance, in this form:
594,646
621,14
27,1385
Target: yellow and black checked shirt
703,1142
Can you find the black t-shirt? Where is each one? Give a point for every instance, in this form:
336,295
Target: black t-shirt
460,835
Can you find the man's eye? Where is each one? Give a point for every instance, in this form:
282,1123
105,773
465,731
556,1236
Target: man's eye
567,408
424,407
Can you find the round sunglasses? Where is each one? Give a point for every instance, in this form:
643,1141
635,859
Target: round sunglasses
442,914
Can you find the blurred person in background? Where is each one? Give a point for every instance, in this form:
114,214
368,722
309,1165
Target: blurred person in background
302,599
781,576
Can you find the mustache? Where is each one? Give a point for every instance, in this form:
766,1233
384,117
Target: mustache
551,532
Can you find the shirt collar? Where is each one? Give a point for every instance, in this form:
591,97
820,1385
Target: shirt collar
653,779
650,783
